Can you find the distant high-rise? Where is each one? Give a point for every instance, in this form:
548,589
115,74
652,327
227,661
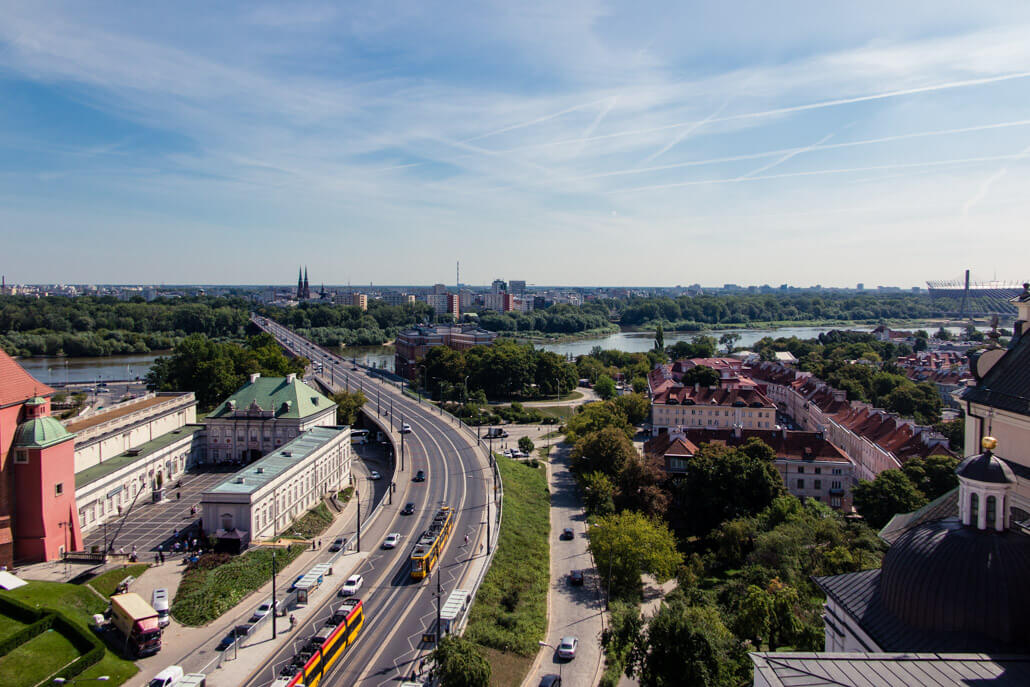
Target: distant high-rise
439,289
517,286
499,286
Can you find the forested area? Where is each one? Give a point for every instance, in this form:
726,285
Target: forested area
689,313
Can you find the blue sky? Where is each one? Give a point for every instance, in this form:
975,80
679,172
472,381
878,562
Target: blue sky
572,142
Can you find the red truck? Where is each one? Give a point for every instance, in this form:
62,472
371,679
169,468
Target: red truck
138,622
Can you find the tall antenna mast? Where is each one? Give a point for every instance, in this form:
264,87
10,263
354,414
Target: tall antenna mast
457,275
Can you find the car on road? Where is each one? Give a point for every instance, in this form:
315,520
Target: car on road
576,578
551,680
235,634
405,428
336,545
567,647
408,509
374,475
352,585
567,533
391,540
420,476
262,610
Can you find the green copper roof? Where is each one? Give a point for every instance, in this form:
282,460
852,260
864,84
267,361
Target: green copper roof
141,452
35,401
271,393
40,433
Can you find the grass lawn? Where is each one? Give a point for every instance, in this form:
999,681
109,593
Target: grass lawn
36,660
506,669
9,626
207,593
79,604
510,611
107,582
556,411
311,524
345,495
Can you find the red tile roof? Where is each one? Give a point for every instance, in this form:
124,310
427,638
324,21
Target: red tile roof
17,385
786,444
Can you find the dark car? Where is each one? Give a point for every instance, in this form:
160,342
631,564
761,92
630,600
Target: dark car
408,509
337,545
420,476
576,578
551,680
237,633
567,533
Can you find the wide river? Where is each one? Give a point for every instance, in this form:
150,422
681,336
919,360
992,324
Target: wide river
118,367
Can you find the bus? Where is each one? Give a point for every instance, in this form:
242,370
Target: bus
429,547
320,653
359,436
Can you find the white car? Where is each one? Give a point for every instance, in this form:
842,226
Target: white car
352,585
567,648
391,540
262,611
405,428
374,475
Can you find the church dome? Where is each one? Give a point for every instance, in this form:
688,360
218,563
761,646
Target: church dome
944,577
986,467
40,432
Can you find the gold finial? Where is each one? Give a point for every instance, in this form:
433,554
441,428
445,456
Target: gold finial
988,443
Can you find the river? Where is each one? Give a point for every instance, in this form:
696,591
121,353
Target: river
61,370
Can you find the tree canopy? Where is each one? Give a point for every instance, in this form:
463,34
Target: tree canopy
459,663
891,493
629,544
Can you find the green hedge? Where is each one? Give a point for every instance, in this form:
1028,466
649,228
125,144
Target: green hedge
91,648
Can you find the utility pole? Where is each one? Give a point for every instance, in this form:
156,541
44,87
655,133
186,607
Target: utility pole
439,594
357,495
402,447
274,605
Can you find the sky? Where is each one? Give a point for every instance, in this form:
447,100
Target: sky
577,142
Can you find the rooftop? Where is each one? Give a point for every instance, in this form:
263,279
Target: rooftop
115,413
17,385
141,452
264,470
796,669
281,397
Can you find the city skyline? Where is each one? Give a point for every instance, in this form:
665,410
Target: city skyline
800,143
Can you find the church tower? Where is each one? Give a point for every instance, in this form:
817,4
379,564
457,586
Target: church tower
307,288
300,284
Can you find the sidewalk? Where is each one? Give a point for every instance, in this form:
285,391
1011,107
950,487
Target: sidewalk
571,610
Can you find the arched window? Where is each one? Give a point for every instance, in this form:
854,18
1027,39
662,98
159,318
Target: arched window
974,509
991,505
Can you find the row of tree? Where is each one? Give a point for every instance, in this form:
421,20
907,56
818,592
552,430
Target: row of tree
503,370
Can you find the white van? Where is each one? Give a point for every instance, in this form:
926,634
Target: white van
167,677
359,436
160,604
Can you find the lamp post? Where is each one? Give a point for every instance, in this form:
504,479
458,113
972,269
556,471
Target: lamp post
357,495
550,646
65,681
274,609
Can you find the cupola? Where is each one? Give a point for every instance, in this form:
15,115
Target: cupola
984,483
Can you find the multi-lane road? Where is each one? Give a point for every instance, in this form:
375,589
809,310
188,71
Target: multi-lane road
399,609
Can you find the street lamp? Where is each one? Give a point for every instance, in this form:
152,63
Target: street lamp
65,681
549,646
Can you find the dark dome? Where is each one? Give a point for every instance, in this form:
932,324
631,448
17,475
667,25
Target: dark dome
986,467
945,577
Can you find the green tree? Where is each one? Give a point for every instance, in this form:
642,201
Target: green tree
688,645
659,338
607,450
701,374
639,384
623,633
605,387
598,493
628,544
347,406
933,475
636,406
892,492
955,431
754,619
596,416
728,340
526,445
459,663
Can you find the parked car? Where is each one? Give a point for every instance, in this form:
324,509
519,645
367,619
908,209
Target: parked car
391,540
576,578
408,509
159,601
235,634
167,677
567,533
420,476
567,647
496,433
336,545
262,610
405,428
352,585
374,475
551,680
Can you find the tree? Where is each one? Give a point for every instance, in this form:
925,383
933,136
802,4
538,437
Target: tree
688,645
659,338
754,615
942,334
933,475
639,384
459,663
639,487
700,374
955,431
347,406
892,492
596,416
628,544
701,346
605,387
636,406
598,493
728,339
607,450
526,445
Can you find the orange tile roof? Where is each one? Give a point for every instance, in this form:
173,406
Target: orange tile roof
17,385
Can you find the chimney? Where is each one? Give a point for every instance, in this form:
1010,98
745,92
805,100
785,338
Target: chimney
291,378
254,377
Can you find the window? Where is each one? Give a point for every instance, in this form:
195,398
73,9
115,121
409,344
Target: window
974,508
838,471
991,510
21,456
835,501
801,484
835,484
59,488
818,471
817,484
801,468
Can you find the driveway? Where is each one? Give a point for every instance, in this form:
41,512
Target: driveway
576,611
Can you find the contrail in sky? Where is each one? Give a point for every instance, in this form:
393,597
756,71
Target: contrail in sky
784,158
985,187
683,134
538,120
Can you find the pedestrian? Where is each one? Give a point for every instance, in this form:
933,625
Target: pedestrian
134,549
312,544
421,666
175,533
157,558
466,540
319,543
178,495
162,555
196,544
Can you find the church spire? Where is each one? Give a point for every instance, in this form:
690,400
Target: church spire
300,283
